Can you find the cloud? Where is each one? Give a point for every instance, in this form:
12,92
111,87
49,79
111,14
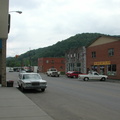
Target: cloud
45,22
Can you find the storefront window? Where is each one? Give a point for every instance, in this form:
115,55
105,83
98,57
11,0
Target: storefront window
94,68
111,69
102,69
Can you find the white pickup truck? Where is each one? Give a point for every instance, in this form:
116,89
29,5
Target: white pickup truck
53,72
92,76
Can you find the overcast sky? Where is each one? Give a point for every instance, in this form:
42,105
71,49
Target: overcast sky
45,22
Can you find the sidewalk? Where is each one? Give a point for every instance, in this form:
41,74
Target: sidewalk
14,105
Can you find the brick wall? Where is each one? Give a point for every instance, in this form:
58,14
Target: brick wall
45,63
102,55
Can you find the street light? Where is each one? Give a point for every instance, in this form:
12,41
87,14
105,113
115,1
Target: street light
9,18
20,12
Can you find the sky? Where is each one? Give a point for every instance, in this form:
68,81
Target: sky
45,22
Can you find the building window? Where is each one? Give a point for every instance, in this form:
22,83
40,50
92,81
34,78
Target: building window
78,56
111,69
74,55
78,64
47,61
111,52
94,54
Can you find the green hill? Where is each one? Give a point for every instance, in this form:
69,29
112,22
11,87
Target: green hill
56,50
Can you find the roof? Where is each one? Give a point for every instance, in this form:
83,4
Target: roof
113,37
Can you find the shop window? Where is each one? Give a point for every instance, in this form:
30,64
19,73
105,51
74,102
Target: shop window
94,54
94,68
111,69
102,69
111,52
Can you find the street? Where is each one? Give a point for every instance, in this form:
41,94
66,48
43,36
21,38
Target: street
73,99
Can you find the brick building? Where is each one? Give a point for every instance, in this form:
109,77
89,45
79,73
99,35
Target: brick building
50,62
103,55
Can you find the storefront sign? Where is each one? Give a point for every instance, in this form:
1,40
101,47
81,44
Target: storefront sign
0,43
102,63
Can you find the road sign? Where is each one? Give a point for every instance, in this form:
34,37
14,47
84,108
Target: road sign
0,43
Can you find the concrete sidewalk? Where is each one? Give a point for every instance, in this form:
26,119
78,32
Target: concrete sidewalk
14,105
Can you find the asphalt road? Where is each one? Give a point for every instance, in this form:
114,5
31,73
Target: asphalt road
73,99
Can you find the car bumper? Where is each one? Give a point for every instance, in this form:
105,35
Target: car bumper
35,87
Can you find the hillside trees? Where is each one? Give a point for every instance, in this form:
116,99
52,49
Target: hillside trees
56,50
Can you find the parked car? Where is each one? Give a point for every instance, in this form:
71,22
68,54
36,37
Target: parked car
31,81
22,71
73,74
11,69
93,76
53,72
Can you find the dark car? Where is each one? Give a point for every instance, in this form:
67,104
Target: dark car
73,74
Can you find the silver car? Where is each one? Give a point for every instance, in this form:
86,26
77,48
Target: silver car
31,81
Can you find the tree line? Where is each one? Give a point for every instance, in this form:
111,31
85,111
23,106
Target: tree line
56,50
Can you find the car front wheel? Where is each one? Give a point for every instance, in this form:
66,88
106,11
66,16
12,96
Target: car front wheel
103,79
22,89
86,79
74,76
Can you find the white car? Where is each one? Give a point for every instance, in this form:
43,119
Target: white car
92,76
31,81
53,72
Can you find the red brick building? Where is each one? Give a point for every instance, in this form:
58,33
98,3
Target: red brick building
45,63
103,55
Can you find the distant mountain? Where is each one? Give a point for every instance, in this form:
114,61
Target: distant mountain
56,50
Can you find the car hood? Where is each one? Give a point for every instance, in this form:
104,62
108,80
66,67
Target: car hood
103,75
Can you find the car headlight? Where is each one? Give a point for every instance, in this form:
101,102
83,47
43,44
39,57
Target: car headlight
43,84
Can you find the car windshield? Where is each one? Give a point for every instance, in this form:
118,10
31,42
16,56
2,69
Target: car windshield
31,76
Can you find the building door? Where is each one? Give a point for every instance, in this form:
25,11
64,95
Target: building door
102,69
